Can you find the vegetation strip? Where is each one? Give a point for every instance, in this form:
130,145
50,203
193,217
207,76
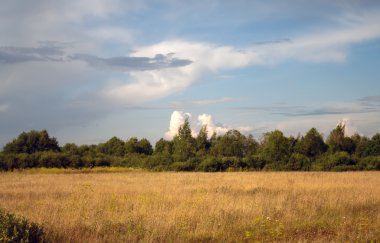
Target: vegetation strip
232,151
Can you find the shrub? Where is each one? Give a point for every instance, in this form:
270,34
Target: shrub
211,165
255,162
158,160
182,166
275,166
338,159
18,229
298,162
233,162
370,163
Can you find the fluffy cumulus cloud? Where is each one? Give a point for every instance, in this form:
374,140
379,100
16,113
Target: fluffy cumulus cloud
178,118
208,121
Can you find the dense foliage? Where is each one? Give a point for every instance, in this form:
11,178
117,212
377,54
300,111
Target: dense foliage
18,229
232,151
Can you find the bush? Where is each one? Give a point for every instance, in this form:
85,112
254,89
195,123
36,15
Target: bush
18,229
339,159
255,162
370,163
233,162
276,166
182,166
298,162
159,160
211,165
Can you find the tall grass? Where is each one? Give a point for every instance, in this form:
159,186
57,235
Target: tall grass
198,207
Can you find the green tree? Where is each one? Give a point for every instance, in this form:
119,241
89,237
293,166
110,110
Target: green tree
163,146
250,146
373,146
144,147
31,142
361,143
131,145
233,143
184,146
337,140
202,142
311,144
275,147
114,146
70,148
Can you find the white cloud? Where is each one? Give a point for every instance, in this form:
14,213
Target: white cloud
326,45
178,118
206,59
207,120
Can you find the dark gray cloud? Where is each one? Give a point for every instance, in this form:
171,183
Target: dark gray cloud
160,61
14,55
54,51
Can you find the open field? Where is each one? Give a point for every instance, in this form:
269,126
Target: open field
197,207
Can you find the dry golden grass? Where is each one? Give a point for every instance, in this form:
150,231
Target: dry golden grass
198,207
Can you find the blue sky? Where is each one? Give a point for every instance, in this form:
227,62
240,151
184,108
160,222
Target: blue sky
92,69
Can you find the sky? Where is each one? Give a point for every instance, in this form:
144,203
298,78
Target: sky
87,70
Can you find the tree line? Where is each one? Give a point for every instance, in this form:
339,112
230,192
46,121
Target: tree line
232,151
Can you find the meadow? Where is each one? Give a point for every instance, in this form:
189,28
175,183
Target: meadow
130,206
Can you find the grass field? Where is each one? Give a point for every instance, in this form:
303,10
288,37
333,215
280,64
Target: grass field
197,207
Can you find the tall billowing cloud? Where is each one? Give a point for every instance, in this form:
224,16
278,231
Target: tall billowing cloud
178,118
208,121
